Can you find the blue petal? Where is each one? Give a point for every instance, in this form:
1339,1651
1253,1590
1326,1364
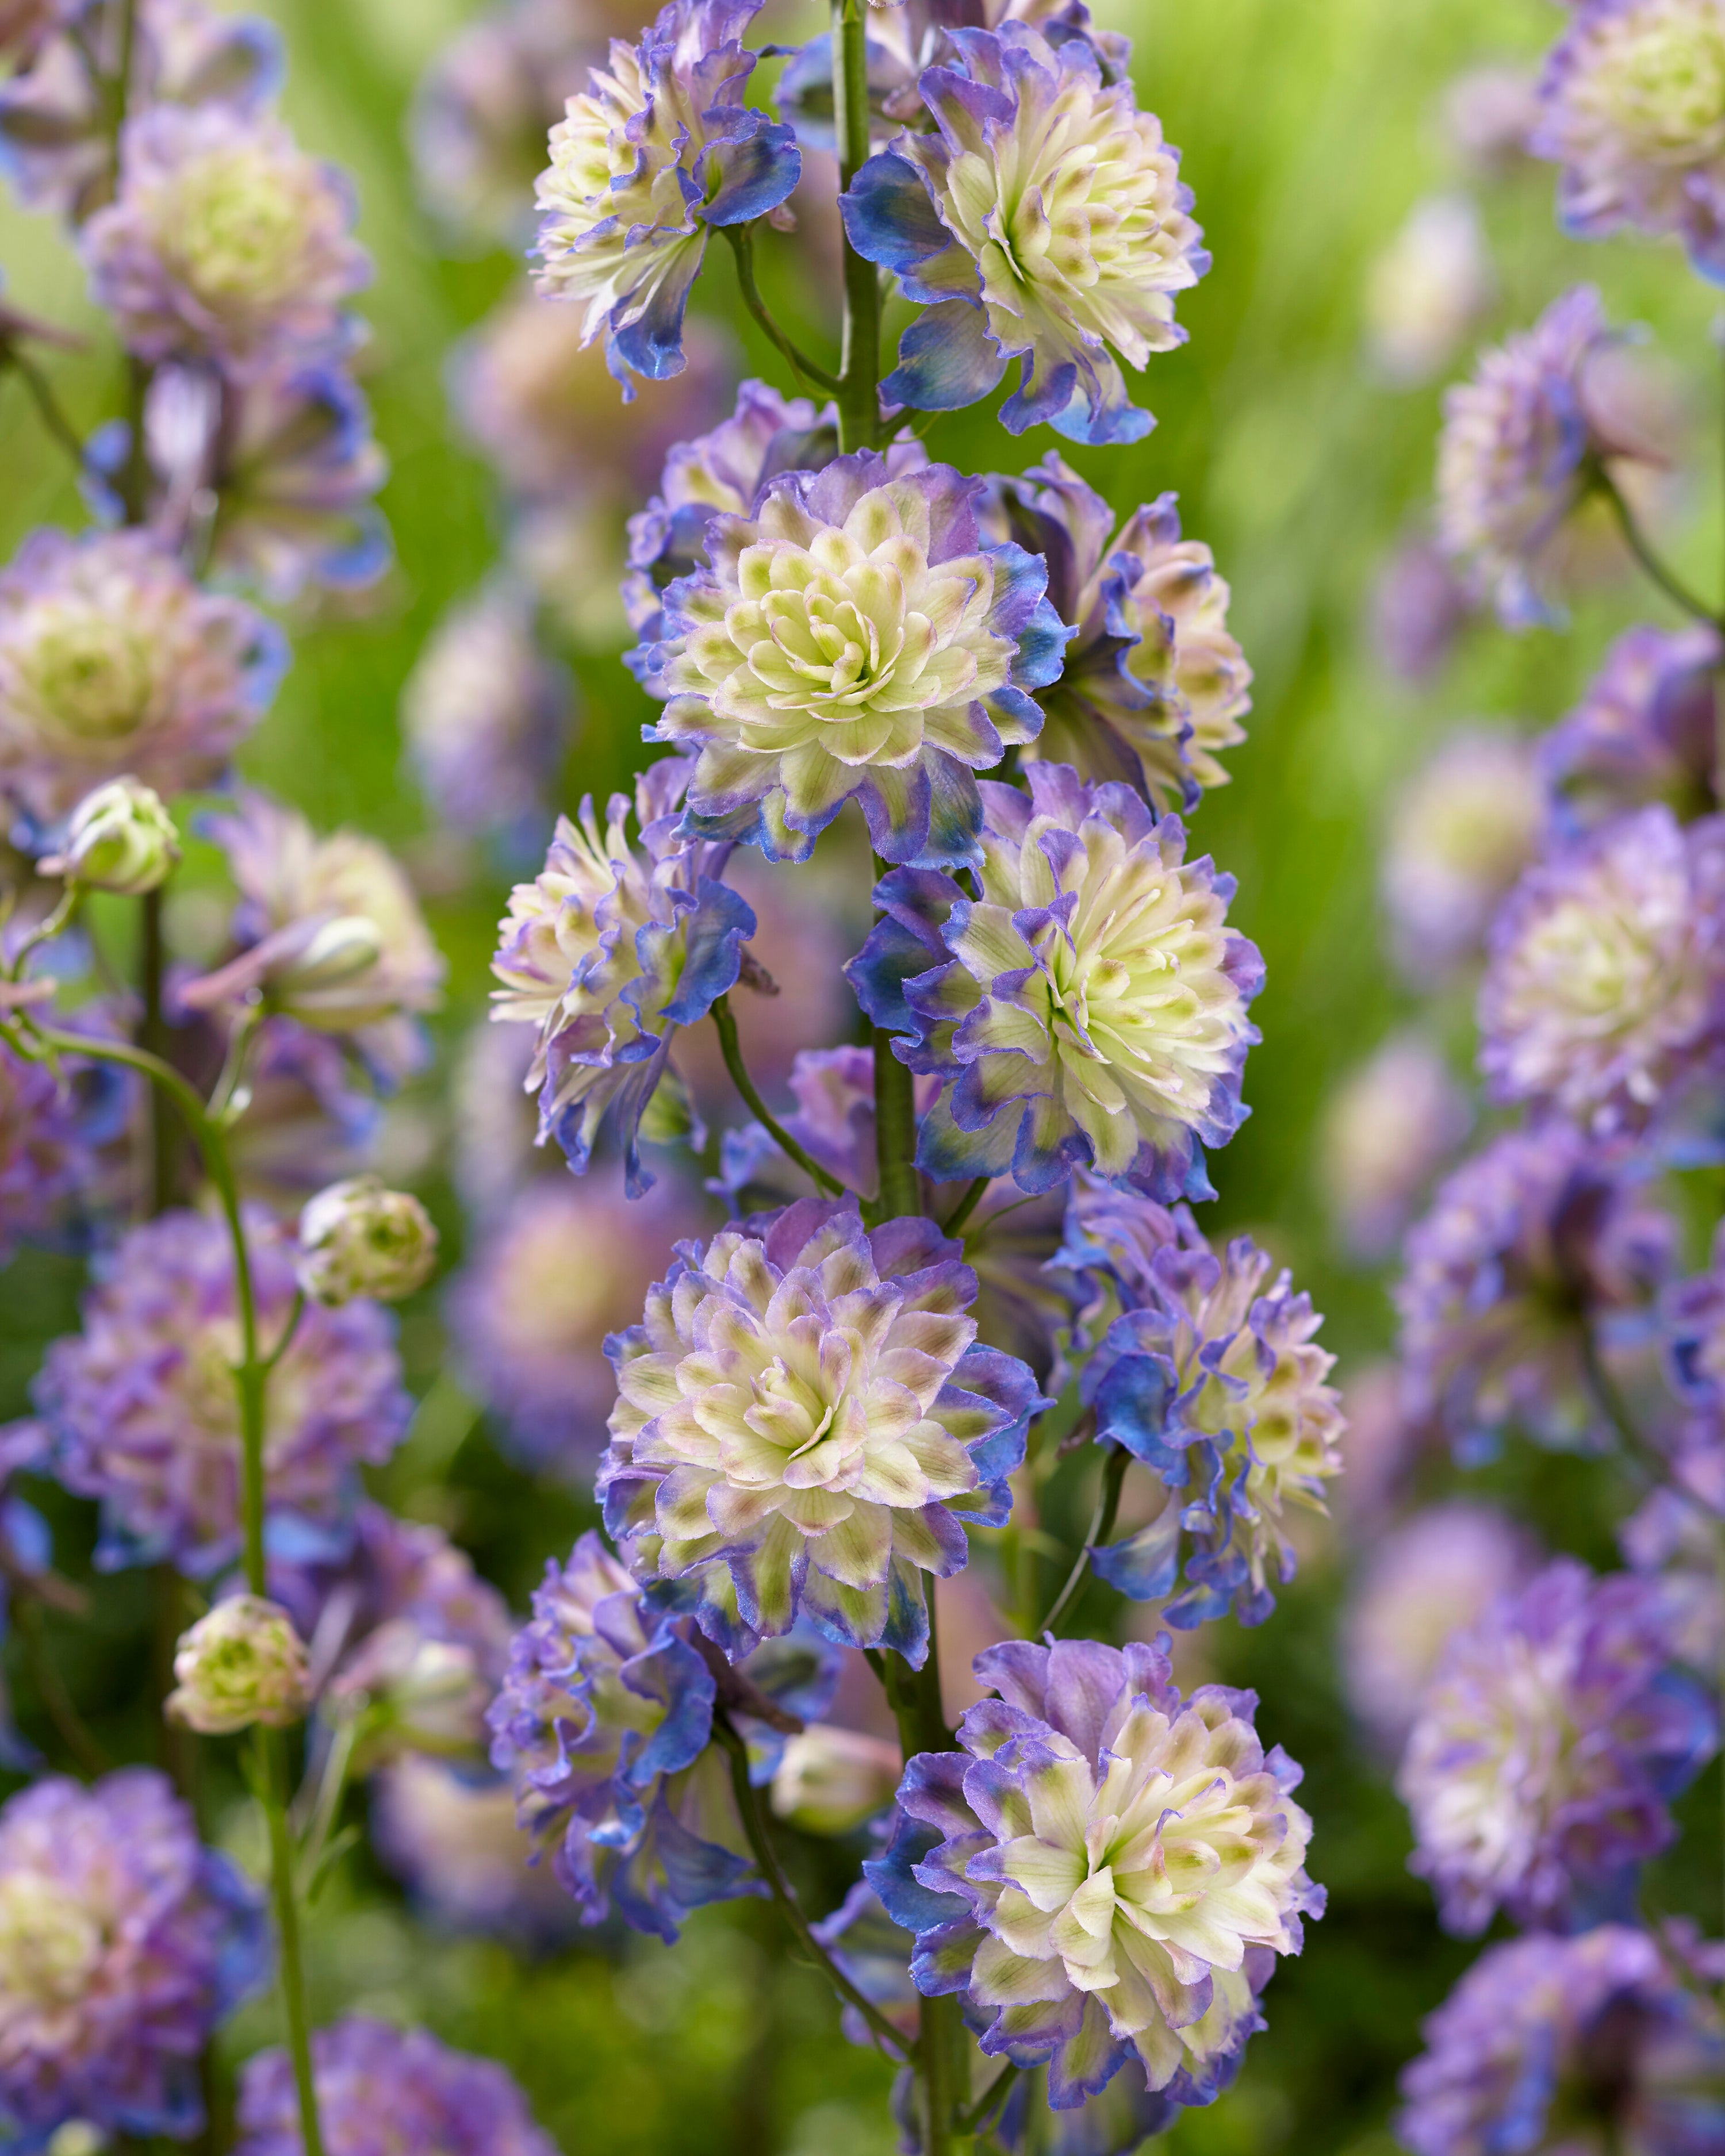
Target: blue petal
946,360
755,175
890,217
713,940
1142,1566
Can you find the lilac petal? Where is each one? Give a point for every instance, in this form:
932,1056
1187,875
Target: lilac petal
755,175
1142,1566
946,359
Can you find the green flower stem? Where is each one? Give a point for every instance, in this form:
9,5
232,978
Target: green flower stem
57,1703
1721,1672
743,246
896,1132
1674,590
859,366
152,1036
1615,1409
725,1020
251,1379
760,1841
58,426
1101,1526
955,1221
985,2111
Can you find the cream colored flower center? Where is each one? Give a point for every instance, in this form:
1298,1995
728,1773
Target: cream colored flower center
234,223
1608,971
51,1943
1657,78
82,677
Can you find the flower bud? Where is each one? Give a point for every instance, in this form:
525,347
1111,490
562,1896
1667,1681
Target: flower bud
336,951
120,839
830,1781
359,1238
242,1663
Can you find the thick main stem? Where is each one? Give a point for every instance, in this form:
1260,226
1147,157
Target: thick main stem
159,1179
859,362
273,1781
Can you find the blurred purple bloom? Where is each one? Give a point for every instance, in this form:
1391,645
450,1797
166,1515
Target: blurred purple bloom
225,241
1090,1007
1518,453
1540,1764
558,1268
762,661
1604,990
1211,1376
47,1155
448,1833
384,2091
485,716
113,662
611,948
657,152
56,139
1081,1795
123,1942
1540,1235
1431,285
1674,1541
1632,107
1421,1582
1461,832
308,1123
1489,111
1608,2038
142,1411
805,1423
1418,605
960,213
1643,732
1391,1124
1153,683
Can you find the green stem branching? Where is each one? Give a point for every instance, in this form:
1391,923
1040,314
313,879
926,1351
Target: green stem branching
1101,1526
725,1020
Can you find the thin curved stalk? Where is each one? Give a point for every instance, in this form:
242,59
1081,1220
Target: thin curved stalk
1674,590
760,1841
1615,1410
955,1221
1101,1526
732,1049
743,246
57,1703
984,2114
55,423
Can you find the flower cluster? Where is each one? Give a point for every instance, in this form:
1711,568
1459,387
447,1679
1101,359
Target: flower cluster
1607,2036
1539,1768
123,1942
1089,1009
806,1422
655,155
854,633
1211,1376
1154,686
1642,733
1104,1871
47,1154
611,948
143,1413
382,2089
113,663
1040,218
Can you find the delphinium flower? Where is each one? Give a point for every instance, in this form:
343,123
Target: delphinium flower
1608,2040
276,470
1604,990
1632,106
225,240
1539,1768
123,1942
562,1265
56,115
1090,1007
486,101
613,946
656,154
1419,1583
1673,1540
1119,1868
405,1640
357,1237
854,634
1538,1236
1392,1123
447,1833
1489,112
1521,446
805,1423
47,1160
1418,604
143,1413
381,2091
331,934
602,1725
113,663
1153,685
1643,732
1211,1376
1428,289
541,405
1461,831
486,718
1041,218
495,1119
241,1663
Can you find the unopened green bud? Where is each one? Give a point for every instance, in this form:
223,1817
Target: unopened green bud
357,1238
120,839
242,1663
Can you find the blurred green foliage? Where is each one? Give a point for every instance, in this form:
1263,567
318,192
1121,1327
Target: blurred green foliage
1309,127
